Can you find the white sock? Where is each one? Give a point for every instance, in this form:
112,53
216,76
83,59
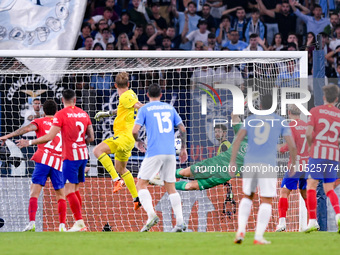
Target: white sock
337,217
282,221
263,217
146,201
243,214
312,222
176,204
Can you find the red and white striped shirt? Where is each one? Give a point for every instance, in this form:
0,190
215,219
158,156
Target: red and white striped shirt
298,128
48,153
73,122
325,120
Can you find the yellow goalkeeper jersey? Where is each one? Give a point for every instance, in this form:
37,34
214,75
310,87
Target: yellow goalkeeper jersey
126,114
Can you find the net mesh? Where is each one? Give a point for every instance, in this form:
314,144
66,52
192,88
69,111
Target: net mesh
182,80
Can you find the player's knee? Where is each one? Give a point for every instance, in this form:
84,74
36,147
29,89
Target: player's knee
266,200
97,151
284,192
328,187
141,184
312,184
60,194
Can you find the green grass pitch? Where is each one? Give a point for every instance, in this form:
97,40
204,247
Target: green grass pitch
130,243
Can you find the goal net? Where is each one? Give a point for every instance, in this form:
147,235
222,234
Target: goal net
195,83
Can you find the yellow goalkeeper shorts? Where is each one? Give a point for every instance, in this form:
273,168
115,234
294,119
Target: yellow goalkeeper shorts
121,146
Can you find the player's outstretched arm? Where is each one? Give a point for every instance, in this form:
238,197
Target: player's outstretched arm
139,143
102,114
43,139
20,131
89,134
138,105
292,153
183,155
235,118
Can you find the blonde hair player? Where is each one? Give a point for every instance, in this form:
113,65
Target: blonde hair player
122,142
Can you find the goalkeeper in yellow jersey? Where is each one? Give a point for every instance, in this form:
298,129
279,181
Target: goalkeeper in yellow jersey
122,142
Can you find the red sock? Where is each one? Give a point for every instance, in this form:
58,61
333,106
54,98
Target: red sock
311,201
75,206
32,208
283,207
79,198
334,201
62,210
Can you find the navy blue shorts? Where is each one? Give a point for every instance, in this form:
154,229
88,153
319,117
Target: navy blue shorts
42,172
291,183
74,171
322,169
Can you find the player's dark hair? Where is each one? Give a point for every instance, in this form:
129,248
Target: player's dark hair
50,107
68,94
331,92
220,126
266,101
154,90
253,36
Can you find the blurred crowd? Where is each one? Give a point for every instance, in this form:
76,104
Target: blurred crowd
247,25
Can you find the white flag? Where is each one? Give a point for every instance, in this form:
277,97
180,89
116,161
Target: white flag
40,25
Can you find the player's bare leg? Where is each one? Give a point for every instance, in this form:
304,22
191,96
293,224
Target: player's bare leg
176,205
311,201
333,198
146,201
62,208
79,225
243,215
263,217
129,182
283,207
33,206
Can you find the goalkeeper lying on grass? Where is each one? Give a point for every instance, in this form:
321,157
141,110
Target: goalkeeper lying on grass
212,171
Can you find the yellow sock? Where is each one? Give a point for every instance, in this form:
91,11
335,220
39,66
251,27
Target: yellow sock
108,165
130,183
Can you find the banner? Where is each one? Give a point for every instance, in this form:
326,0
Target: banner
40,25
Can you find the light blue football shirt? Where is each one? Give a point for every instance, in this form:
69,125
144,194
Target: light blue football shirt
263,133
159,119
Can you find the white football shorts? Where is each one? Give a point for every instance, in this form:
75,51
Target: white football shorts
256,175
164,164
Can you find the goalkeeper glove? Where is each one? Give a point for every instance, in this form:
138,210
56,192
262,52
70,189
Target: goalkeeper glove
100,115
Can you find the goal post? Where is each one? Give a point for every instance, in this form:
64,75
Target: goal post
185,77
